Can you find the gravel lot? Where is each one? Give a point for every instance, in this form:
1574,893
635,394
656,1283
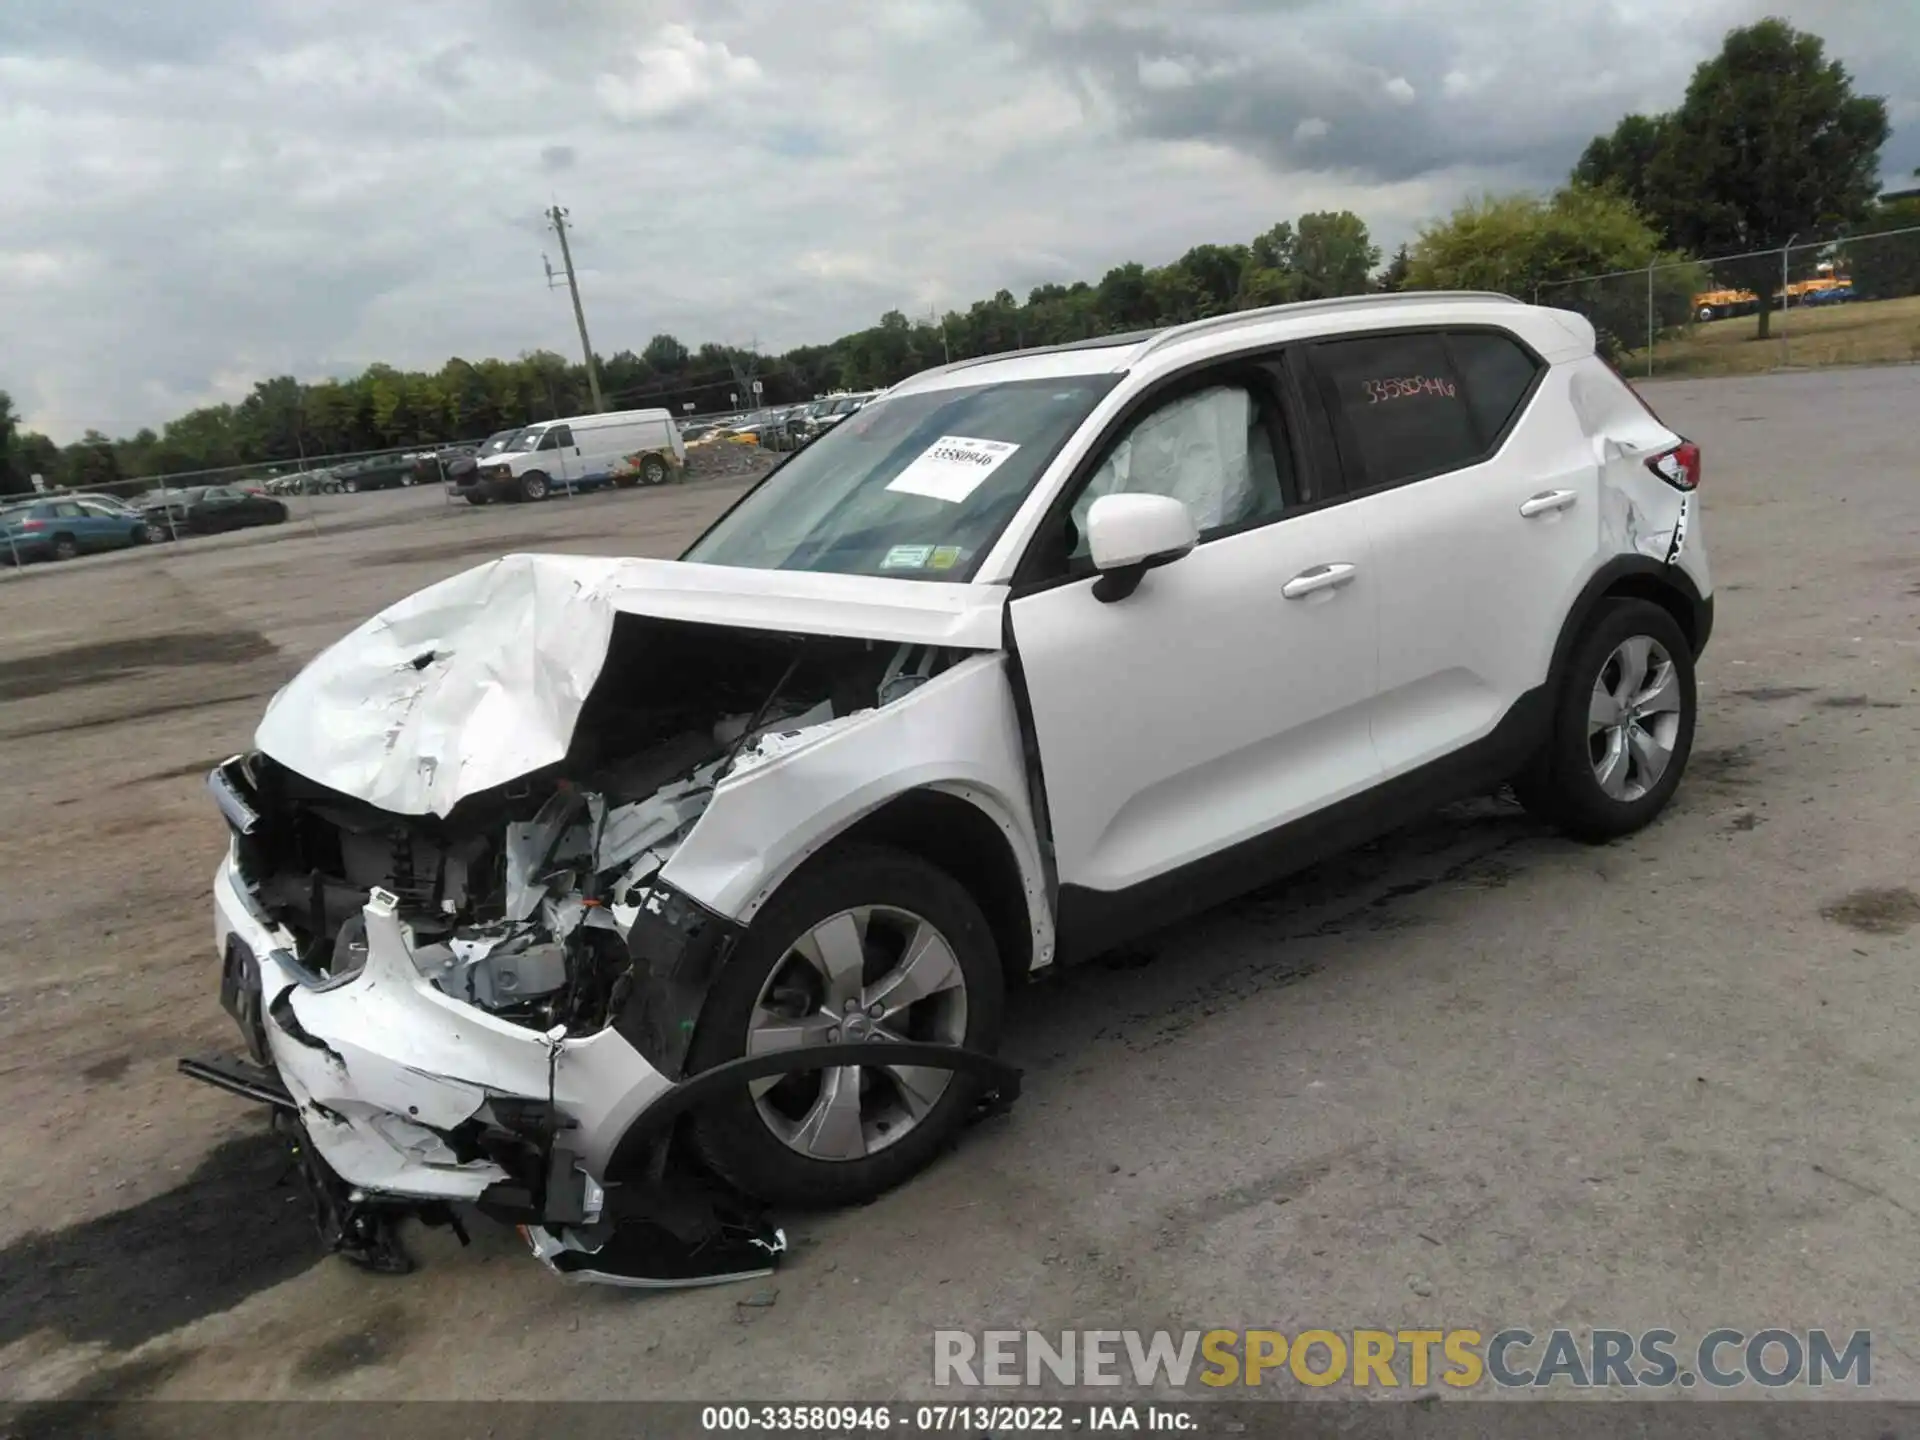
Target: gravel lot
1472,1076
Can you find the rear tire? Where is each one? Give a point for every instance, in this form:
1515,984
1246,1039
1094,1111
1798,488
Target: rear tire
1622,726
653,471
352,487
64,547
890,1132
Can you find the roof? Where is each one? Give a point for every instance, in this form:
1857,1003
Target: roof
1273,324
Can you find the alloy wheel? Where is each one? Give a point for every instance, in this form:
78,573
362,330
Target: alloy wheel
872,973
1633,718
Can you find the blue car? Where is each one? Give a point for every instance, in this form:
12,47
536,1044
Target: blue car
62,529
1832,295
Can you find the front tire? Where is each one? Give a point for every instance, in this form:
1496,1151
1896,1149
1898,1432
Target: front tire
352,487
533,486
1622,726
864,941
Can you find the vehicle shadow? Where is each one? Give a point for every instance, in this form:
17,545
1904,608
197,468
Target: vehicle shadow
1148,992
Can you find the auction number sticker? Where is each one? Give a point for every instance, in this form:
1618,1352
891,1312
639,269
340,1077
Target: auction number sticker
1406,387
953,467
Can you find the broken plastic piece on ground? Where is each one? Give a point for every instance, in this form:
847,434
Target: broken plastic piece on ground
363,1233
645,1256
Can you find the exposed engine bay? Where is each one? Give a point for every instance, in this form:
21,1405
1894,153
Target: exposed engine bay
519,900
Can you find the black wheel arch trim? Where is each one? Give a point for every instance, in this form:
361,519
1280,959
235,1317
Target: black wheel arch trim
1598,589
655,1123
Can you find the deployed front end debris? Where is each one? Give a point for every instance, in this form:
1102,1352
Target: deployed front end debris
358,938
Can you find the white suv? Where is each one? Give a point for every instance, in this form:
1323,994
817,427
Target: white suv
568,878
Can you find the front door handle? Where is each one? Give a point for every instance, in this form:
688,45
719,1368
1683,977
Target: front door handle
1548,501
1320,577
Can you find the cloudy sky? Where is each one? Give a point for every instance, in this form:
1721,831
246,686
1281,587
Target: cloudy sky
203,192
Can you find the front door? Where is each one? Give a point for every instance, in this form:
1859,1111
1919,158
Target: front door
1229,693
565,458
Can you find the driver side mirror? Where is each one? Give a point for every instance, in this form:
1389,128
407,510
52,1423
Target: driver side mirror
1129,535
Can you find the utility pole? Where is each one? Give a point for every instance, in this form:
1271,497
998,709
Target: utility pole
557,217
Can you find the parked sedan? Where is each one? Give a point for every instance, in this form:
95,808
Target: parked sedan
61,529
383,472
209,509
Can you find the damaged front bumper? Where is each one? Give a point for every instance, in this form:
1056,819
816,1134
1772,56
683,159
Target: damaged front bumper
401,1100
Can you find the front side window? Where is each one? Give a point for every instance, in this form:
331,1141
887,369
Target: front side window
1400,407
557,438
1212,449
916,486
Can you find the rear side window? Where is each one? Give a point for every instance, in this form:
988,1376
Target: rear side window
1400,408
1497,374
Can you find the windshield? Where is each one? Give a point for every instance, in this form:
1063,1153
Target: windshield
527,439
496,443
916,487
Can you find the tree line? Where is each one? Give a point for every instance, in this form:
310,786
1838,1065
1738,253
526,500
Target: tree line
1768,142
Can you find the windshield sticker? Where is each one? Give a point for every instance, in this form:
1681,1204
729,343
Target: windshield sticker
944,557
907,557
952,468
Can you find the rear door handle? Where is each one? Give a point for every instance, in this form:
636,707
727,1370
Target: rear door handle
1548,501
1320,577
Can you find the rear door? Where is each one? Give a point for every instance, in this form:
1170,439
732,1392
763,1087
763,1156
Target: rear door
1480,498
1228,694
69,519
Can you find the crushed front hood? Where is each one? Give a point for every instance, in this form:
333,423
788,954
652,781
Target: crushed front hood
478,680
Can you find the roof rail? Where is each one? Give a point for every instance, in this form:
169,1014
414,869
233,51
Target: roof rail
1160,337
1234,319
1092,342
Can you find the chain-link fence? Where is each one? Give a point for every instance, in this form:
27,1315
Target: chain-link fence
1848,301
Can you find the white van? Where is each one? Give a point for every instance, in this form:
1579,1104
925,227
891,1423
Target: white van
626,447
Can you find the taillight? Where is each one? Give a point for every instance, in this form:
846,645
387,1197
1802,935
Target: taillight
33,525
1679,467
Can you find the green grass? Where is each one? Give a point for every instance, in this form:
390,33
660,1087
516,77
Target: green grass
1861,332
